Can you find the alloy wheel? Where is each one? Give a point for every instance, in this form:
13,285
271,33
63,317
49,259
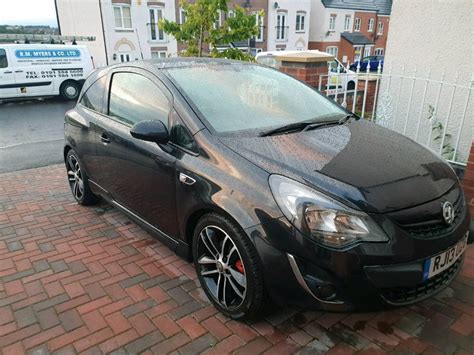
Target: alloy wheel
75,179
221,267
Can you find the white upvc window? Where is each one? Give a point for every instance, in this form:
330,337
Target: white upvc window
124,57
357,23
158,54
231,14
357,53
380,28
282,27
218,22
379,51
156,14
347,23
370,27
259,22
367,51
122,17
332,50
182,16
300,21
332,23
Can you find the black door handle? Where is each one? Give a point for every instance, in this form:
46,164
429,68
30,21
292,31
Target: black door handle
104,138
7,72
18,71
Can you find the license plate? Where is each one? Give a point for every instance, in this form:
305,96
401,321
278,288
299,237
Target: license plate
443,261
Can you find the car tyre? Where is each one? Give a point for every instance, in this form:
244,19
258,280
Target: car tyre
70,90
228,268
78,180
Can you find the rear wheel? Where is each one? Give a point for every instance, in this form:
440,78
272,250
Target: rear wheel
70,90
228,268
78,181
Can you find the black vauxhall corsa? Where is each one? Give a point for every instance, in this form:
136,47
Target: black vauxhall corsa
274,191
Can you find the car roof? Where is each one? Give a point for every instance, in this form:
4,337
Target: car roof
179,62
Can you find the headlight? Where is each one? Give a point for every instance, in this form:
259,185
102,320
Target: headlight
315,214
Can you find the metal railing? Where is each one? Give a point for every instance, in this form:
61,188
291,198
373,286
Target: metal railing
430,110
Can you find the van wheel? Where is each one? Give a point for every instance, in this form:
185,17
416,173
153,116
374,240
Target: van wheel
70,90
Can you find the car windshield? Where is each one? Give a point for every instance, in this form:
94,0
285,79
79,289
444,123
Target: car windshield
233,98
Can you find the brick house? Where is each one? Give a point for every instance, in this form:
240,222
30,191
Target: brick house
350,30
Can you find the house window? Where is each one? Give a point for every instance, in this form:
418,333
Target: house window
332,23
300,21
357,53
357,23
182,16
347,23
231,14
367,51
282,32
380,28
156,14
259,22
218,22
333,50
379,51
158,54
371,25
124,57
123,17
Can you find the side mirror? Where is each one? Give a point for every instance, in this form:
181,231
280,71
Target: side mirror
151,131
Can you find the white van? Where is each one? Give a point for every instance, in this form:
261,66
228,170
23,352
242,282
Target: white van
28,70
338,74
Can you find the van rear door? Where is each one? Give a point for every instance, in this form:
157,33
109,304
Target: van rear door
33,73
7,78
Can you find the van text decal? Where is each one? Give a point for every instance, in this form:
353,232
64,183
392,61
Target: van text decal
47,53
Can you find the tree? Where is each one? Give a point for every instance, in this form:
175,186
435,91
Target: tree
200,29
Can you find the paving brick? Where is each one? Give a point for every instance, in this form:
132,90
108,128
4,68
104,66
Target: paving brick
166,325
68,338
138,307
93,339
144,342
141,323
25,317
6,315
198,345
51,302
93,305
48,318
216,328
170,344
70,320
118,341
117,322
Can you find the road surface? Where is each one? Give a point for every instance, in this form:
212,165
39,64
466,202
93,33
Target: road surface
31,133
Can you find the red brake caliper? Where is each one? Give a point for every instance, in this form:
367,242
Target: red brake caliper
239,266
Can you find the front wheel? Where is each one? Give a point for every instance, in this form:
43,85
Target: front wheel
228,268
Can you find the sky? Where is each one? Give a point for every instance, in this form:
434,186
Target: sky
28,12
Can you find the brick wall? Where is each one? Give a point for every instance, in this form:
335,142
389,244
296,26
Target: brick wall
308,72
468,182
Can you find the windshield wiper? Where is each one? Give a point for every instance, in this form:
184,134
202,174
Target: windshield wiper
298,126
305,126
329,123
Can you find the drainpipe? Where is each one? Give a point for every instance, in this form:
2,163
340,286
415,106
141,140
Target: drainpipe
103,33
57,16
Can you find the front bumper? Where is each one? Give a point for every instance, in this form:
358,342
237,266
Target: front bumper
367,276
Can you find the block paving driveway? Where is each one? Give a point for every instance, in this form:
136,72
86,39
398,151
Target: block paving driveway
88,280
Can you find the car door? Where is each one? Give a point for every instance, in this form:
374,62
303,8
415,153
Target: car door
7,79
139,175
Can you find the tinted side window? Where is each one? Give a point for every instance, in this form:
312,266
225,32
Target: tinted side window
135,98
3,58
93,97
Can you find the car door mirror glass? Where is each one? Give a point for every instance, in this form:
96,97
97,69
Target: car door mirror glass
151,131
